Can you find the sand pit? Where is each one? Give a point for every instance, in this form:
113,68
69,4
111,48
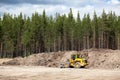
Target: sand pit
97,58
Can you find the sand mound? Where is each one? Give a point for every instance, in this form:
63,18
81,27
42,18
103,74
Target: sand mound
97,58
107,59
42,59
15,61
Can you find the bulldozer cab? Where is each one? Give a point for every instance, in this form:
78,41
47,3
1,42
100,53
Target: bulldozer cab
74,56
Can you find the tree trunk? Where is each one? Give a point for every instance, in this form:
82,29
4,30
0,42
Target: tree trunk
54,44
94,39
36,47
59,44
118,43
64,40
107,41
72,45
102,40
1,49
79,45
88,42
99,42
84,42
25,51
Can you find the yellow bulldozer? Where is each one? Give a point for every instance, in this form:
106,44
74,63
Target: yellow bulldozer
75,62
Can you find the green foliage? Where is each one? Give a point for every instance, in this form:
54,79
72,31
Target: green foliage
23,36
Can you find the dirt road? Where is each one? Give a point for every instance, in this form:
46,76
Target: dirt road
45,73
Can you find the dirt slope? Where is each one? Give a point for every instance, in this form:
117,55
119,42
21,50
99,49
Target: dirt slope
97,58
104,59
5,60
42,59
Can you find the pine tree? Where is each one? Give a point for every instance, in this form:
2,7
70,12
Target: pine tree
96,35
78,32
1,38
71,24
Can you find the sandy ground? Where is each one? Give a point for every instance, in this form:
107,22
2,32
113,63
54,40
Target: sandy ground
45,73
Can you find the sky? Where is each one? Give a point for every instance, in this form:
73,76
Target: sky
52,7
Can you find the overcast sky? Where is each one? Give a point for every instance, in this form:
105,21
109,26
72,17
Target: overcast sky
28,7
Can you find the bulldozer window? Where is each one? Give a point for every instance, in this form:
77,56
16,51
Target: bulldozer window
73,57
78,56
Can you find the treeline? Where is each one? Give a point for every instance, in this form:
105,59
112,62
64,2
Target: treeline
22,36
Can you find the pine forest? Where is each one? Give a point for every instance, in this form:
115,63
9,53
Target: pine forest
22,35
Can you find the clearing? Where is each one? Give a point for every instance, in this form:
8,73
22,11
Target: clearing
45,73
